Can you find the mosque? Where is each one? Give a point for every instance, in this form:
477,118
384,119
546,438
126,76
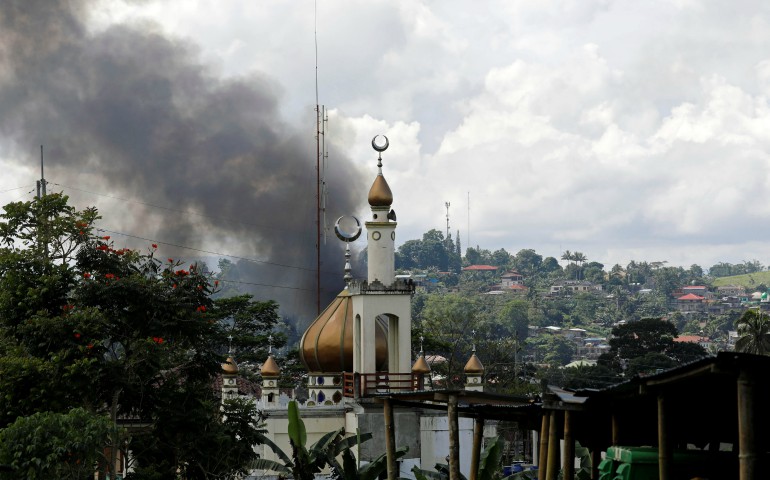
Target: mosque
359,347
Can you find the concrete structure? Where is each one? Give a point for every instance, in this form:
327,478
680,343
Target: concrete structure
359,347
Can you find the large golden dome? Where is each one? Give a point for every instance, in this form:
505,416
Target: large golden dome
380,194
327,345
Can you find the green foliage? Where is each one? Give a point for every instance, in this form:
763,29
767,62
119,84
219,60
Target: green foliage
54,445
249,323
753,333
117,332
489,465
305,462
648,336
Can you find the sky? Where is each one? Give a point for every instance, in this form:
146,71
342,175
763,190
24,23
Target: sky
625,130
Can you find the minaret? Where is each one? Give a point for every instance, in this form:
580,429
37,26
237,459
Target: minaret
270,373
381,301
474,371
381,230
229,376
422,370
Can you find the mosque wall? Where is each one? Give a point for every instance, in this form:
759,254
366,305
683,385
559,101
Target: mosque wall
434,433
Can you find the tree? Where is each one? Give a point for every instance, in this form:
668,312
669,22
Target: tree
54,445
646,336
753,333
528,262
249,323
115,332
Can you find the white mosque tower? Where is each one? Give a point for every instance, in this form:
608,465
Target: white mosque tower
366,330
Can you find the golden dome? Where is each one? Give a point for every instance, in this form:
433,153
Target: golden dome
270,368
380,194
474,365
230,367
421,366
327,344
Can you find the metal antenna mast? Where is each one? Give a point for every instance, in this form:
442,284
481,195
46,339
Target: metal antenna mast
318,169
41,183
447,220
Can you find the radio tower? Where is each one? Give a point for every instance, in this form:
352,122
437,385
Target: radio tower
447,221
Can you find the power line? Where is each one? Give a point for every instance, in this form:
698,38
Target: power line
210,252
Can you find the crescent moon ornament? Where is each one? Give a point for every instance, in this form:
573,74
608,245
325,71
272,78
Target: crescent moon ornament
378,147
346,236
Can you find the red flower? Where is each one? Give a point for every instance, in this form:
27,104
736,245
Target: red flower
201,308
109,275
90,346
158,340
81,232
154,245
102,247
173,286
200,287
86,275
106,238
170,260
216,283
77,335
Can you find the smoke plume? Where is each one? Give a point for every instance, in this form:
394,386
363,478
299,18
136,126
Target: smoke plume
131,112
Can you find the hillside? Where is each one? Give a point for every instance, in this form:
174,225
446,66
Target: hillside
749,280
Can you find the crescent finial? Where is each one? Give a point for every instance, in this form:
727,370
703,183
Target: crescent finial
345,236
380,148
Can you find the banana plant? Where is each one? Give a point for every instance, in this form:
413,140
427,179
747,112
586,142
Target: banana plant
489,465
304,462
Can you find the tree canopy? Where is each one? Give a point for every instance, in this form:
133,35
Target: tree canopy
116,333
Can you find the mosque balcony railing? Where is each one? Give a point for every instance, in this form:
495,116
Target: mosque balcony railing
398,287
357,385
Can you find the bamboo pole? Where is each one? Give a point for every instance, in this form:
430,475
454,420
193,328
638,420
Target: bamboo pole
542,454
454,439
664,442
390,440
553,449
615,429
568,458
596,458
747,454
478,437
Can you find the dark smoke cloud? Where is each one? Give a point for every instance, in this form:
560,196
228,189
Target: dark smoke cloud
137,110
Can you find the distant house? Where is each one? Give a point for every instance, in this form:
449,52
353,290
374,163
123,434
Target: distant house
731,291
575,286
480,268
690,303
704,342
700,290
518,289
512,278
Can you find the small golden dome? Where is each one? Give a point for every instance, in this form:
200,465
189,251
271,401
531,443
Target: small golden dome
380,194
230,367
327,344
421,366
270,368
474,365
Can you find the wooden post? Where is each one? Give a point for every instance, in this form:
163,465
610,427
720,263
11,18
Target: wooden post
568,458
615,429
553,449
747,453
542,454
390,440
596,458
664,442
478,438
454,439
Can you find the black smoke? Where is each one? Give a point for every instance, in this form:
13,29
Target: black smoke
139,114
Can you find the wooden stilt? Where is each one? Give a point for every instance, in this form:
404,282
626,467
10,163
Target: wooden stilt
568,459
454,439
664,442
553,449
747,447
390,440
478,438
542,454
